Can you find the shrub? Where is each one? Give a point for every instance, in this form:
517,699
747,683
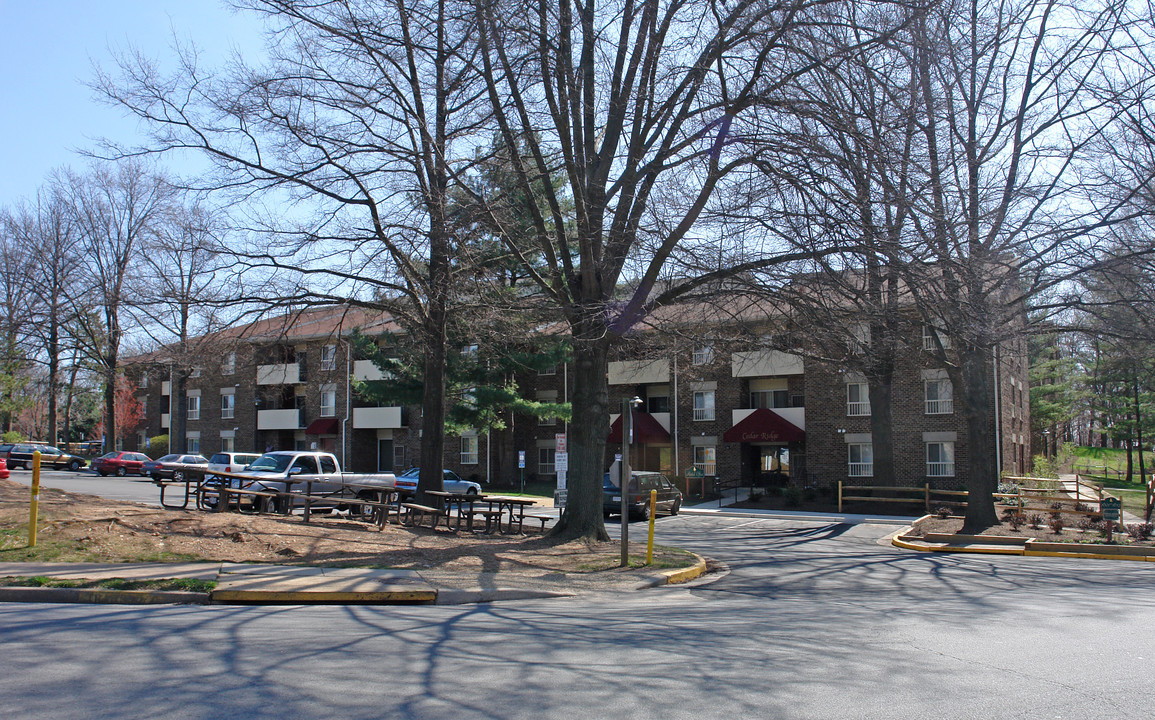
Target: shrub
942,511
792,496
1014,518
1087,523
1105,528
14,436
157,446
1056,524
756,496
1140,531
1035,521
810,494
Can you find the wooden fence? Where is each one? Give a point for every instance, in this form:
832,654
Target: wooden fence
1043,498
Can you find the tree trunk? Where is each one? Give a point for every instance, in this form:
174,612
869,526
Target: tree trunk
978,409
178,421
53,377
587,435
882,428
109,405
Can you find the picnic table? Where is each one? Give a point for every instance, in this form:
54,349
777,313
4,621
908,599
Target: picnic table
513,505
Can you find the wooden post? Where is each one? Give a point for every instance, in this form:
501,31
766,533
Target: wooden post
928,498
839,496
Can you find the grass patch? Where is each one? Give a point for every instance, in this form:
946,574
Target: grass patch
665,558
170,584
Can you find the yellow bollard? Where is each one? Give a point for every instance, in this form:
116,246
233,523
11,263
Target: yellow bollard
650,540
34,510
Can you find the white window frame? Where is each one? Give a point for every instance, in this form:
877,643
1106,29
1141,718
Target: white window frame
192,442
861,406
704,404
546,461
194,408
228,444
551,370
142,382
195,372
547,421
328,401
229,366
229,406
860,459
943,402
469,350
328,357
940,466
706,459
704,354
469,450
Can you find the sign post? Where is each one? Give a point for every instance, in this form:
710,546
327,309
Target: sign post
1112,512
521,468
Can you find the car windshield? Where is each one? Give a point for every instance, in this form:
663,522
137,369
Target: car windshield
220,459
169,458
271,463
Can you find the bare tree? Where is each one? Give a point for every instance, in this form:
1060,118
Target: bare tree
115,209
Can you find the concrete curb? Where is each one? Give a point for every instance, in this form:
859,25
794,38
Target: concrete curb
897,541
289,597
469,597
101,596
681,575
849,518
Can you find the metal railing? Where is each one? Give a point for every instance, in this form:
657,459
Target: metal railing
940,407
858,408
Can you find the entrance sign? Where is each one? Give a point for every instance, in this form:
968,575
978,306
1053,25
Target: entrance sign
559,438
521,459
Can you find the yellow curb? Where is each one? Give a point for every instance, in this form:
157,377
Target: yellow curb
906,545
1024,552
333,597
674,577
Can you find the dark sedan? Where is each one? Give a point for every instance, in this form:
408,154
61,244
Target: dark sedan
120,463
176,467
641,483
19,455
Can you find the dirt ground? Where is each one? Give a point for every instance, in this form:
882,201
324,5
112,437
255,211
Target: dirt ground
85,528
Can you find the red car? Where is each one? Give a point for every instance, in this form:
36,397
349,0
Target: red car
4,474
120,463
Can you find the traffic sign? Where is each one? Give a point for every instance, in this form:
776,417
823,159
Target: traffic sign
559,438
521,459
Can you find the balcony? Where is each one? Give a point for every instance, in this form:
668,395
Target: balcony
380,418
639,372
290,419
858,409
940,407
861,469
940,469
164,420
285,374
765,363
166,388
367,371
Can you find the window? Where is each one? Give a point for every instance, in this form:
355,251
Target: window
195,372
704,405
939,399
328,400
704,354
940,459
706,459
143,381
469,450
860,458
547,421
229,364
551,370
658,404
468,350
545,461
928,343
769,399
194,407
193,442
857,399
328,357
228,444
228,406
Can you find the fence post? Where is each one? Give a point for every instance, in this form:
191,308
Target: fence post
839,496
928,498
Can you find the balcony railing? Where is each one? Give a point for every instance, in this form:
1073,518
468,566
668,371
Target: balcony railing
940,469
707,468
703,413
940,407
854,409
862,469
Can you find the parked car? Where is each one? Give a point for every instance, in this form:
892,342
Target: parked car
641,483
176,466
120,463
4,474
407,482
229,462
19,455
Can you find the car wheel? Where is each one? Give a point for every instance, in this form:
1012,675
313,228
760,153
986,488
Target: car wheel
644,513
177,476
471,491
74,465
101,473
270,506
676,506
121,472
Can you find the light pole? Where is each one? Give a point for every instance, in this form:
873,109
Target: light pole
628,406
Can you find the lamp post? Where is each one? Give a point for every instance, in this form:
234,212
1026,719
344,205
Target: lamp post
628,406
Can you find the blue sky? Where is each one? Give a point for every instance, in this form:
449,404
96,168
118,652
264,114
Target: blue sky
47,52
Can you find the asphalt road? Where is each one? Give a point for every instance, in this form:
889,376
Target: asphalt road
131,487
813,620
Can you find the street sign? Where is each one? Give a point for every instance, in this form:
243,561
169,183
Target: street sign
559,438
521,459
1112,508
561,461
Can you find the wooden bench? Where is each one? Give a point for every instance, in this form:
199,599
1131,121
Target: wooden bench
223,494
492,518
189,491
543,518
413,510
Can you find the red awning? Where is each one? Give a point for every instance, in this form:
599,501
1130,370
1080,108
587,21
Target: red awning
764,425
646,430
322,426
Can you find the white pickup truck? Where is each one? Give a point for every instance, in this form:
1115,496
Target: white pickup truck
319,472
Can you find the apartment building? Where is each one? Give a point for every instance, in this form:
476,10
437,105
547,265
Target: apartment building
706,412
